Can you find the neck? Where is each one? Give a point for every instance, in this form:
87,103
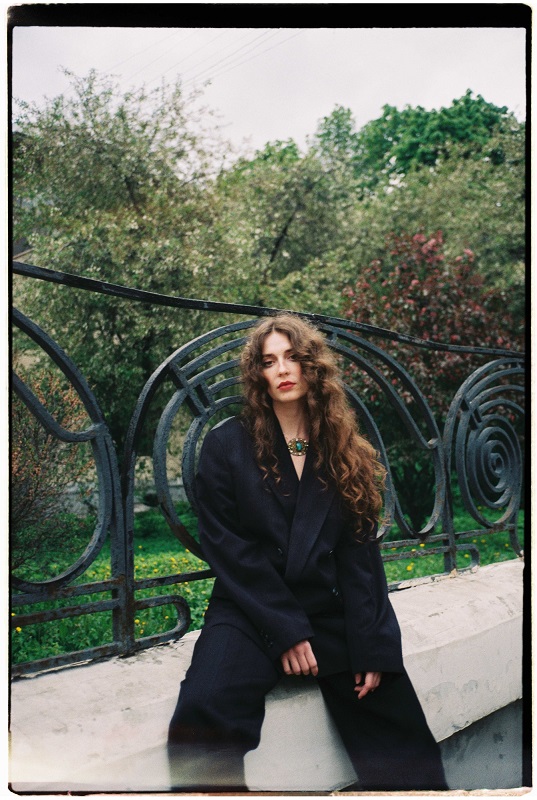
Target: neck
292,418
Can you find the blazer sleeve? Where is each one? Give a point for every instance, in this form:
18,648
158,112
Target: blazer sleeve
247,575
373,633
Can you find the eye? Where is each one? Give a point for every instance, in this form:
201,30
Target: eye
294,357
266,363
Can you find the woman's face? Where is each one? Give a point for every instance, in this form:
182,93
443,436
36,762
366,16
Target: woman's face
282,370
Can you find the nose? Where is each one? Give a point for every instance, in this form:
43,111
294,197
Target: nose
282,367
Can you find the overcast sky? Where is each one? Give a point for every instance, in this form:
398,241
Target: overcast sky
277,83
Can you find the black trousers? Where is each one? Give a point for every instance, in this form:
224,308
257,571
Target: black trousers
221,708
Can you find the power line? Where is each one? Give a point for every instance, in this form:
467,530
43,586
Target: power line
139,52
220,65
267,36
170,49
247,60
211,55
225,58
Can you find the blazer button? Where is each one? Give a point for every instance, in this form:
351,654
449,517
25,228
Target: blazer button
279,551
330,552
335,592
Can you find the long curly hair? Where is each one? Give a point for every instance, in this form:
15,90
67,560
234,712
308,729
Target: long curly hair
349,461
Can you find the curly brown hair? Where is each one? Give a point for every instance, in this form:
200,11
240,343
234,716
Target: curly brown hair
349,460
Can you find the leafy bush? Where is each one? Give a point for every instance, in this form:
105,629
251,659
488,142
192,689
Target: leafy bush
42,469
416,290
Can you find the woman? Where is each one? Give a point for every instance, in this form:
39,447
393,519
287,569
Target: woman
289,497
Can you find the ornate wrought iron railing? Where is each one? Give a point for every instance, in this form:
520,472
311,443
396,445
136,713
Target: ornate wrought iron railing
478,452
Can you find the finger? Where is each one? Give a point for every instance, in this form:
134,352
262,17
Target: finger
289,664
294,664
372,680
364,690
304,666
310,665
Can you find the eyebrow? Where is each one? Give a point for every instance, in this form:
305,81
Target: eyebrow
271,355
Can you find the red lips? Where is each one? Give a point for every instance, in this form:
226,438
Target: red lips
285,385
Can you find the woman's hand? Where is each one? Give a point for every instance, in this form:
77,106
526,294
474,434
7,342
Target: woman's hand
371,681
299,660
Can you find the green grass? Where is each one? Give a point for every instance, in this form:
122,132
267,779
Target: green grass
493,547
157,552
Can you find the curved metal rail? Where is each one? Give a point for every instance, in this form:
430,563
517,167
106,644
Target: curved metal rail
478,451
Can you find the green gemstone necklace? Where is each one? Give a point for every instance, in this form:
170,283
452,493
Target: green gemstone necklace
297,446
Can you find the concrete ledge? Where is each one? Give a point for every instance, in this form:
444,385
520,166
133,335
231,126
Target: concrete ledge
462,644
102,727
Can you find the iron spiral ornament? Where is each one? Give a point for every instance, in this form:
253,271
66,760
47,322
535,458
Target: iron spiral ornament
484,435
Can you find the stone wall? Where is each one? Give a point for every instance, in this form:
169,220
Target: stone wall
102,727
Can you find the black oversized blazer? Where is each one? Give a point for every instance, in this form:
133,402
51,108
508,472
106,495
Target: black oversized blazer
282,578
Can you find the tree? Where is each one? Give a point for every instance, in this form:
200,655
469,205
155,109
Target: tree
336,143
479,204
131,188
473,189
388,147
420,292
290,211
119,188
415,289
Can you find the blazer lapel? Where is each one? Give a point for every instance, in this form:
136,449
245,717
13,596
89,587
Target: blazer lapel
286,487
314,500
